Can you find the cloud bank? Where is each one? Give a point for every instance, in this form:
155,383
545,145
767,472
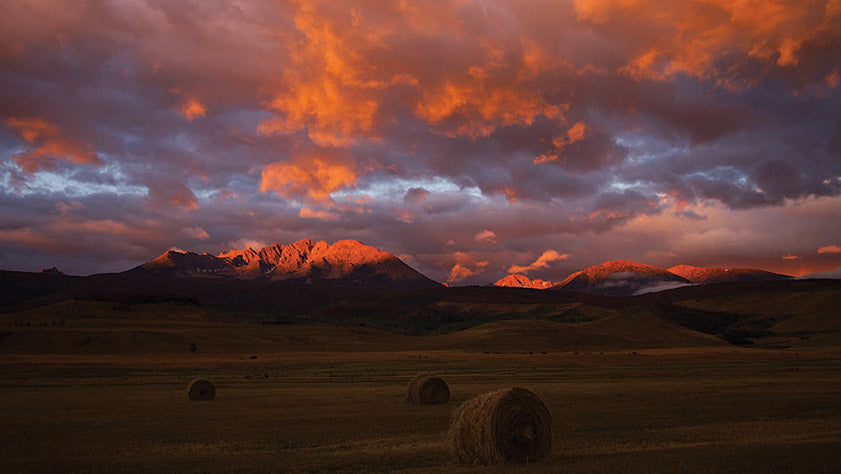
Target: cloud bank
419,127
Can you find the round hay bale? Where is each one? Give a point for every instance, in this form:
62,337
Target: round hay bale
200,389
427,389
509,425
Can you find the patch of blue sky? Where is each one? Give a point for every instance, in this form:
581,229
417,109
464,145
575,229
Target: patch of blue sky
620,185
720,173
395,188
47,182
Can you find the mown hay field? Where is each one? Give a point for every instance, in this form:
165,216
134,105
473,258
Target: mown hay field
663,410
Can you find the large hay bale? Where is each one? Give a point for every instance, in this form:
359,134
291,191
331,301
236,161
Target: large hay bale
509,425
427,389
200,389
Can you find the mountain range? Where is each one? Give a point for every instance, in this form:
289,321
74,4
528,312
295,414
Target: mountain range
304,261
626,278
350,262
352,283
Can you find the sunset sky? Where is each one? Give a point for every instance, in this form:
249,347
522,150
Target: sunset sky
469,138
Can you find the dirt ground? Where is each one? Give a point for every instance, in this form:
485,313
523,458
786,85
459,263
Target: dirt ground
660,410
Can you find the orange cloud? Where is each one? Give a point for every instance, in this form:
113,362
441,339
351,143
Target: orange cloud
830,249
307,213
668,38
792,257
833,79
310,180
574,134
459,272
465,266
30,238
65,234
162,194
331,89
195,233
476,107
68,208
192,109
48,144
545,158
487,237
542,262
346,74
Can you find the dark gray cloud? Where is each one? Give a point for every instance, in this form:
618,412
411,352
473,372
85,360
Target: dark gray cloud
411,127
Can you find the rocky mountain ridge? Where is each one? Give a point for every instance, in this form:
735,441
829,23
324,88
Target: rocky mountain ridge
345,261
516,280
627,278
621,278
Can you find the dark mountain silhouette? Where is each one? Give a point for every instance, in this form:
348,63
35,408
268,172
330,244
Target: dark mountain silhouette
780,313
621,278
831,275
51,271
305,261
701,275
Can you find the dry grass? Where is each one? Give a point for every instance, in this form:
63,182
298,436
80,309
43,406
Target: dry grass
657,411
106,394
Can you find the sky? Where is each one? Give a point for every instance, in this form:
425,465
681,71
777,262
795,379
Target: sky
471,138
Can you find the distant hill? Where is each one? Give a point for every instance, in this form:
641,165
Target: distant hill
702,275
622,278
831,275
780,313
619,331
628,278
99,327
522,281
305,261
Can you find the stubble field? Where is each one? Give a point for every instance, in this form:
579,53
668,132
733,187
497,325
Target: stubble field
614,410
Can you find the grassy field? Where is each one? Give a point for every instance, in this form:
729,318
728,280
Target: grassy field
659,410
92,387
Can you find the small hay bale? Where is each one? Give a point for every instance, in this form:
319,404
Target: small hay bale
427,389
200,389
509,425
